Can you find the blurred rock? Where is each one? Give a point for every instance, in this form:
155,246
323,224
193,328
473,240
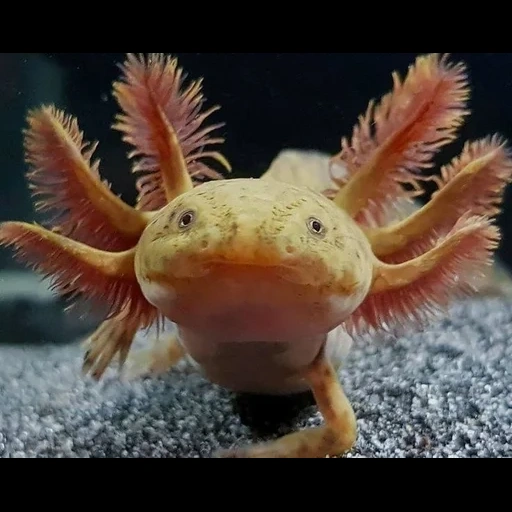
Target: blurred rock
30,313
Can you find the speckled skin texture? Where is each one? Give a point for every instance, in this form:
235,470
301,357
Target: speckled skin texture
254,289
258,222
443,392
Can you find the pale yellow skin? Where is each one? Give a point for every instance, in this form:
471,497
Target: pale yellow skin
255,292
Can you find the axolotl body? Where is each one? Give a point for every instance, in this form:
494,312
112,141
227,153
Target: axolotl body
267,280
256,275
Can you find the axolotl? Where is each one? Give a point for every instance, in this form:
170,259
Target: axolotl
267,280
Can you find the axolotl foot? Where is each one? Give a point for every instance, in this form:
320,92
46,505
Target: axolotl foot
320,442
154,361
335,438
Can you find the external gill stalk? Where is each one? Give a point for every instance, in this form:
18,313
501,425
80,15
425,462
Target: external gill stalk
411,293
175,178
114,337
163,122
106,279
68,185
399,137
473,182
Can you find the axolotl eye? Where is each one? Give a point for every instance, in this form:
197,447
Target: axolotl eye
186,219
316,227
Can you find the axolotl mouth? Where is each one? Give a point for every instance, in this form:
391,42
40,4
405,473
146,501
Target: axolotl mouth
250,302
281,258
265,292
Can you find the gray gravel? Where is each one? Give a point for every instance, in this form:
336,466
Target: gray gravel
446,392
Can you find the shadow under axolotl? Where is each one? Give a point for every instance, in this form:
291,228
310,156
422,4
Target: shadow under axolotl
175,423
267,415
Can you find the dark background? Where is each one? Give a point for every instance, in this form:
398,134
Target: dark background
270,102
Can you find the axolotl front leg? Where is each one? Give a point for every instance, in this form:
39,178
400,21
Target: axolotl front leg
338,433
335,437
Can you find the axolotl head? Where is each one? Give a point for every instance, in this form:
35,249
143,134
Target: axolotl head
260,260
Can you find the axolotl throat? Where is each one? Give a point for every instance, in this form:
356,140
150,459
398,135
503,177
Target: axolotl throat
256,278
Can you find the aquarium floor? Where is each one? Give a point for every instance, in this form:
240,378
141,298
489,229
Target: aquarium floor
446,392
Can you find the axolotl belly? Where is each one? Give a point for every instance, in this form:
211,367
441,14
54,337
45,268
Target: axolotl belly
257,284
258,333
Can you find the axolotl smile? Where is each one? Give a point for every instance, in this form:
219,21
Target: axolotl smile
250,256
